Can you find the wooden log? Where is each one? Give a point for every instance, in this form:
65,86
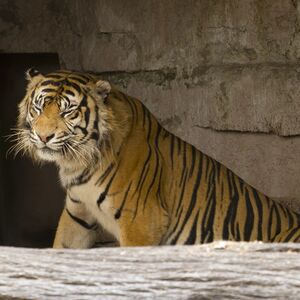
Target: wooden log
221,270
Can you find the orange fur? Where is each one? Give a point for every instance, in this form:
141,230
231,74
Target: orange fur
138,181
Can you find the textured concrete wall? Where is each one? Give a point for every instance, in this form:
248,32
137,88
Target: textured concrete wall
223,75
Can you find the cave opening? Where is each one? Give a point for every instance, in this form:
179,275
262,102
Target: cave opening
30,197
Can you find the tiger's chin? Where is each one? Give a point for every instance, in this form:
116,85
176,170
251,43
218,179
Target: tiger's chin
50,155
68,159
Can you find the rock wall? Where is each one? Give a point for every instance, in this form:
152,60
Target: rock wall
223,75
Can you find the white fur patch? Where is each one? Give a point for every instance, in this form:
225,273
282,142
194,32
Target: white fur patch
88,194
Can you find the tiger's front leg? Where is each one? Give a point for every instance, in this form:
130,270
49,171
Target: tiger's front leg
76,228
147,228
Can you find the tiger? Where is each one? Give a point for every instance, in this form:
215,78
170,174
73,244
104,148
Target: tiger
123,172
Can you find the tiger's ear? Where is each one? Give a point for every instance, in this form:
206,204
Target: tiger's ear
103,88
33,77
32,72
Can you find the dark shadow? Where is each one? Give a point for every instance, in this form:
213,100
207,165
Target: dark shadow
30,196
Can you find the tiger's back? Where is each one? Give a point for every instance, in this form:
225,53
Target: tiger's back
205,200
221,206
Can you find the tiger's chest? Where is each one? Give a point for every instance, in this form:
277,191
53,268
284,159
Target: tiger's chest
95,204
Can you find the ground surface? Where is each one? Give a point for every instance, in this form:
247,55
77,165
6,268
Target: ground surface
215,271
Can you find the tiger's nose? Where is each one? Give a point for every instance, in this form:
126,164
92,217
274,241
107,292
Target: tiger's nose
45,138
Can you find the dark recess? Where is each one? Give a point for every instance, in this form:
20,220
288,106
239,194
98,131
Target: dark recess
30,195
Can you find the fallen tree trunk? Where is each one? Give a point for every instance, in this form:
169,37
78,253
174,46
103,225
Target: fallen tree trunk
212,271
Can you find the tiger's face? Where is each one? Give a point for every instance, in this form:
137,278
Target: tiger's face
63,117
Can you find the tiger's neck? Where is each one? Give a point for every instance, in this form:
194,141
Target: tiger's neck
120,123
70,173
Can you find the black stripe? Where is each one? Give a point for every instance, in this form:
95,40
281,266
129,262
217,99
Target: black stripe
64,113
178,219
183,163
144,115
85,76
83,130
207,232
87,116
154,175
104,194
48,90
278,219
55,76
237,230
51,82
232,208
40,100
95,125
291,234
84,177
80,80
283,209
119,211
66,99
101,198
193,161
26,125
191,240
82,222
103,176
183,175
297,215
83,102
166,134
172,149
235,206
178,146
249,218
70,93
260,214
76,87
290,218
241,182
218,167
74,200
181,194
193,199
158,193
132,105
208,162
94,136
74,116
32,94
143,177
73,85
296,239
145,168
30,114
270,222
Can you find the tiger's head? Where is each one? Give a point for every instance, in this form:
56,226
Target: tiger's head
63,117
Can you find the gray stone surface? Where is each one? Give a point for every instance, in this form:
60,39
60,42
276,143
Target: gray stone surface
220,270
249,98
233,72
223,65
133,35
